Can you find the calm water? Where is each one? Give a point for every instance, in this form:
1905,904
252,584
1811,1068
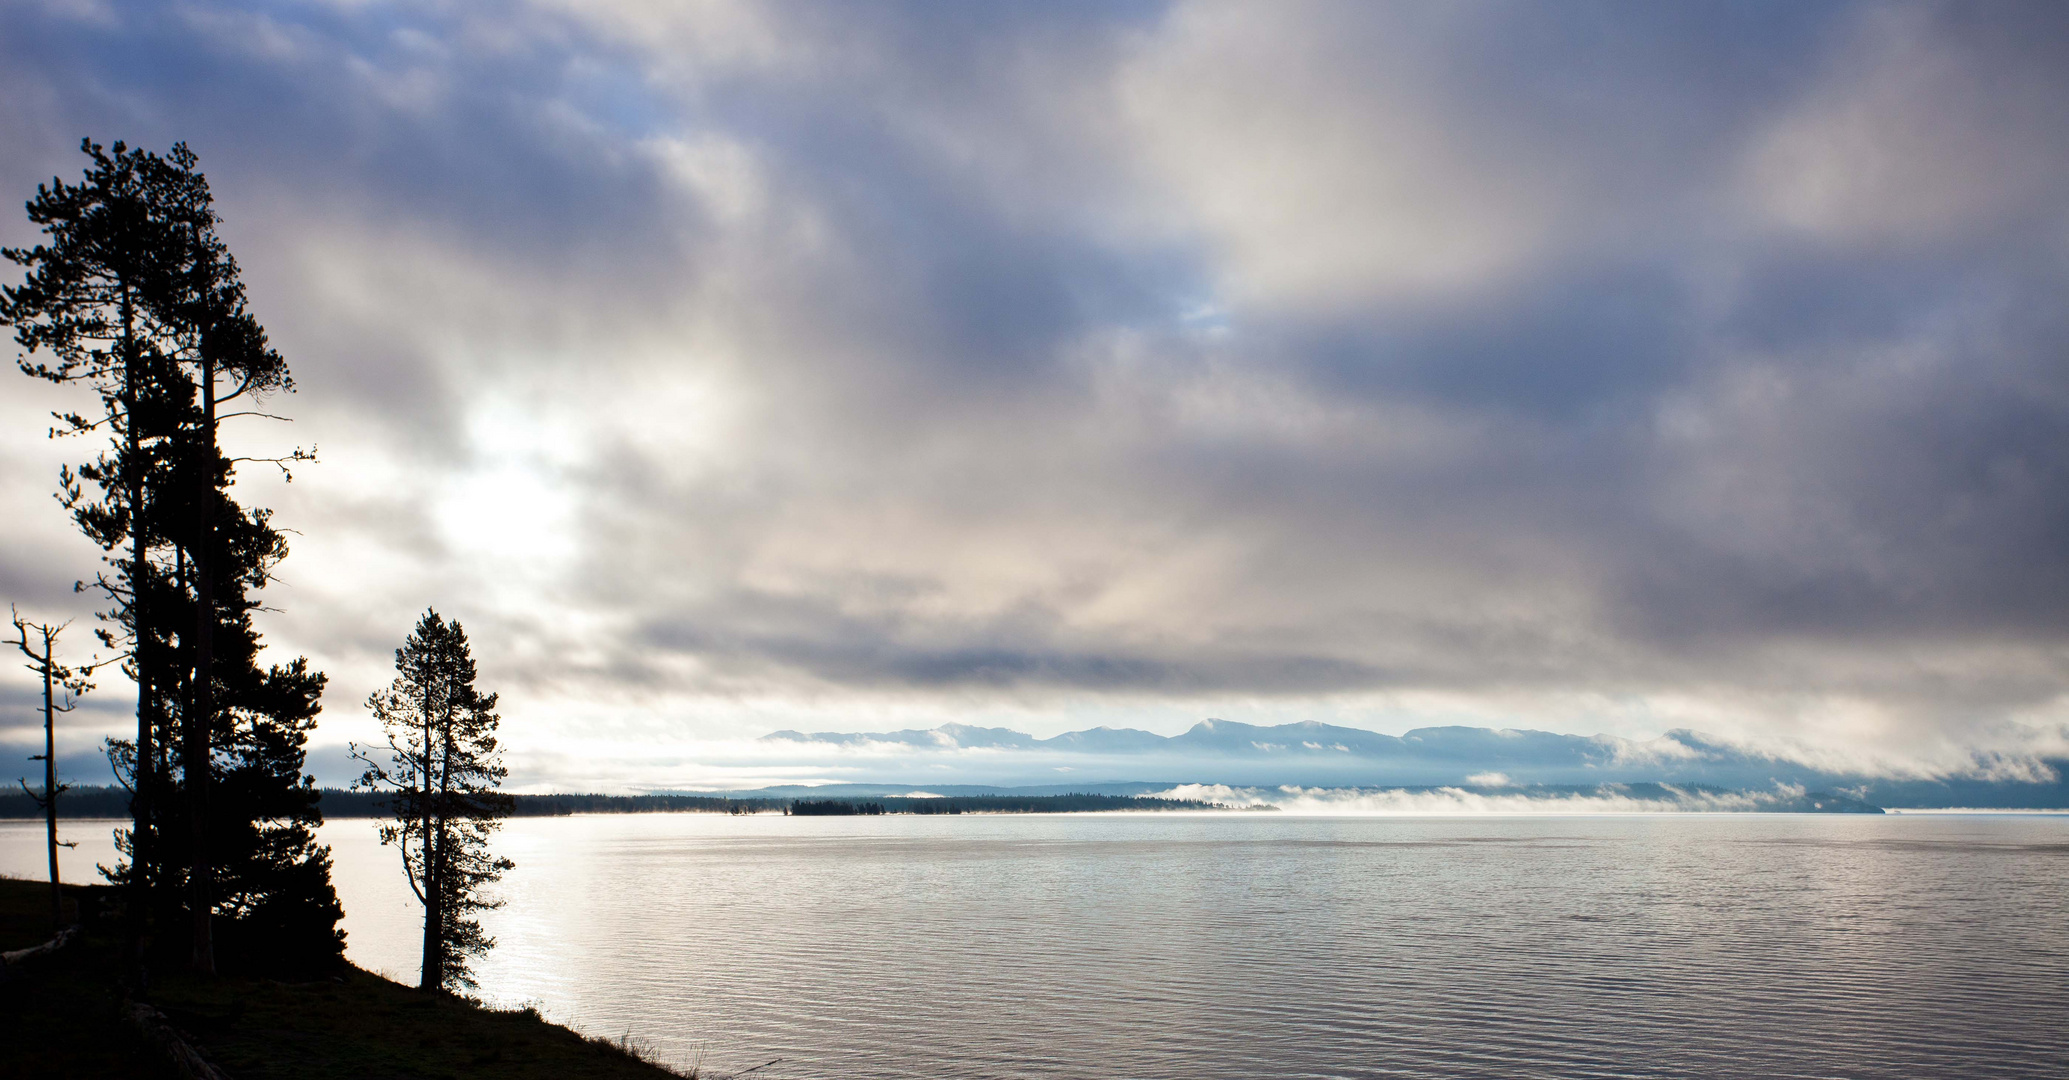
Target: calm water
1266,945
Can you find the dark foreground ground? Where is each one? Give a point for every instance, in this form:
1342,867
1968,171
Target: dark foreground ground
61,1016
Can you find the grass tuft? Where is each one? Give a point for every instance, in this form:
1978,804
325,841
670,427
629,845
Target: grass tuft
642,1051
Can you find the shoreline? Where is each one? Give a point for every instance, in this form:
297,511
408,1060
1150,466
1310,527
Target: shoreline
343,1023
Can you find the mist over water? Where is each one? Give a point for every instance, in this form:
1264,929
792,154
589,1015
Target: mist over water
1243,945
1491,796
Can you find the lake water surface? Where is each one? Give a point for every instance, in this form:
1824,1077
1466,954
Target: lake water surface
1247,945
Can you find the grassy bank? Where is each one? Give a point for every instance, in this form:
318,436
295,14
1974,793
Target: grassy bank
62,1016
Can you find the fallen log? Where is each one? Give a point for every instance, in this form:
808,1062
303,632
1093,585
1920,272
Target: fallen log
64,937
159,1031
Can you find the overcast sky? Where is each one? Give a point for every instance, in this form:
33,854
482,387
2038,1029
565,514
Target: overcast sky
726,367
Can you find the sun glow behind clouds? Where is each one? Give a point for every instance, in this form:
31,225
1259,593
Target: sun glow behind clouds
512,504
728,367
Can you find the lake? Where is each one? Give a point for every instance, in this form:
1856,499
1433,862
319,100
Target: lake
1255,944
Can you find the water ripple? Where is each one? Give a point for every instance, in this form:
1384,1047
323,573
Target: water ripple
1199,946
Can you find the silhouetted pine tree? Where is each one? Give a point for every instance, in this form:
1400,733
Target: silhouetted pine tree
136,295
443,769
86,304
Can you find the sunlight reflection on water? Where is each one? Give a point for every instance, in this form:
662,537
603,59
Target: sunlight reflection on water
1247,945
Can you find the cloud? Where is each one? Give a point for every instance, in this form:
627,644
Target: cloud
1608,799
729,367
1925,124
1319,157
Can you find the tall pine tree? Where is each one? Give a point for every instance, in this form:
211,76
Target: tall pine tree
135,295
84,314
217,340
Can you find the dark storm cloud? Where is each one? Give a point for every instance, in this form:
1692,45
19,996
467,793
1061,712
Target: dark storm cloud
1168,351
1020,648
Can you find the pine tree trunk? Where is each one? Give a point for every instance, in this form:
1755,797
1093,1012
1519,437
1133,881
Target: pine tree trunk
432,976
200,881
433,971
143,850
57,892
444,801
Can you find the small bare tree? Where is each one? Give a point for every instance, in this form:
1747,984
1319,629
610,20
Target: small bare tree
442,771
62,689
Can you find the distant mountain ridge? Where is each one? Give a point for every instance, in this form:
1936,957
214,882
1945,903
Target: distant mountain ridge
1312,739
1313,753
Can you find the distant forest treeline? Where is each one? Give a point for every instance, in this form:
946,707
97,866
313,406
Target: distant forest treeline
113,802
992,804
78,802
338,803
